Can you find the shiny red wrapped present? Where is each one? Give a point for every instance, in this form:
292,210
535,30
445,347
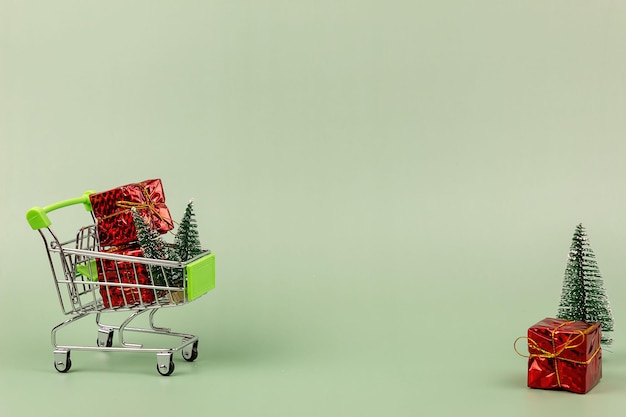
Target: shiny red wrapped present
112,210
124,272
565,355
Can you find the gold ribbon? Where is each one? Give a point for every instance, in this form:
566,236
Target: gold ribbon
570,343
128,205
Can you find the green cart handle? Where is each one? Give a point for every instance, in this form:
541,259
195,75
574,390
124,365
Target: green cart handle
37,217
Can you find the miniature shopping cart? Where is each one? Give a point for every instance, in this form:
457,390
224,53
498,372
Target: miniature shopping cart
85,278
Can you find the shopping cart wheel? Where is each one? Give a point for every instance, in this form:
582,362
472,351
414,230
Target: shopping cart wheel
105,337
62,361
165,364
190,352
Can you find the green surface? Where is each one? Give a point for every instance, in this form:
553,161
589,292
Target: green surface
390,187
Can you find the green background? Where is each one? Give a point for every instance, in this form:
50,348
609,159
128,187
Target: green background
390,189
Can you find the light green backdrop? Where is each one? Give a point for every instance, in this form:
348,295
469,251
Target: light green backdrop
390,188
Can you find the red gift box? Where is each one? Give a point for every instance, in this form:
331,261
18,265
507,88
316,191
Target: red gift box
565,355
124,272
114,219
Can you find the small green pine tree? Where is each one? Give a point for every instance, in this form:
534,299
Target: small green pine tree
187,241
583,297
153,247
186,246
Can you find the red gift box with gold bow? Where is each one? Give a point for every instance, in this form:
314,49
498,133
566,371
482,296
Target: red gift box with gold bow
112,210
564,354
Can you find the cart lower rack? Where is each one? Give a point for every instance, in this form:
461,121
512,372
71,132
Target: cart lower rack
92,282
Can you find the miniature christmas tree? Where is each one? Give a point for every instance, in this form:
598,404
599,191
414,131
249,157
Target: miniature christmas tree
583,297
186,246
153,247
187,241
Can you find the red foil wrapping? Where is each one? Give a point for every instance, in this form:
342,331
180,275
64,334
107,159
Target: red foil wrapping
564,355
114,219
125,272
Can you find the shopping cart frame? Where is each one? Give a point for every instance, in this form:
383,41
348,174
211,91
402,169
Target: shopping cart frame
77,267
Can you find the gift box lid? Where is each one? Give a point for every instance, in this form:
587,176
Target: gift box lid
112,210
575,341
